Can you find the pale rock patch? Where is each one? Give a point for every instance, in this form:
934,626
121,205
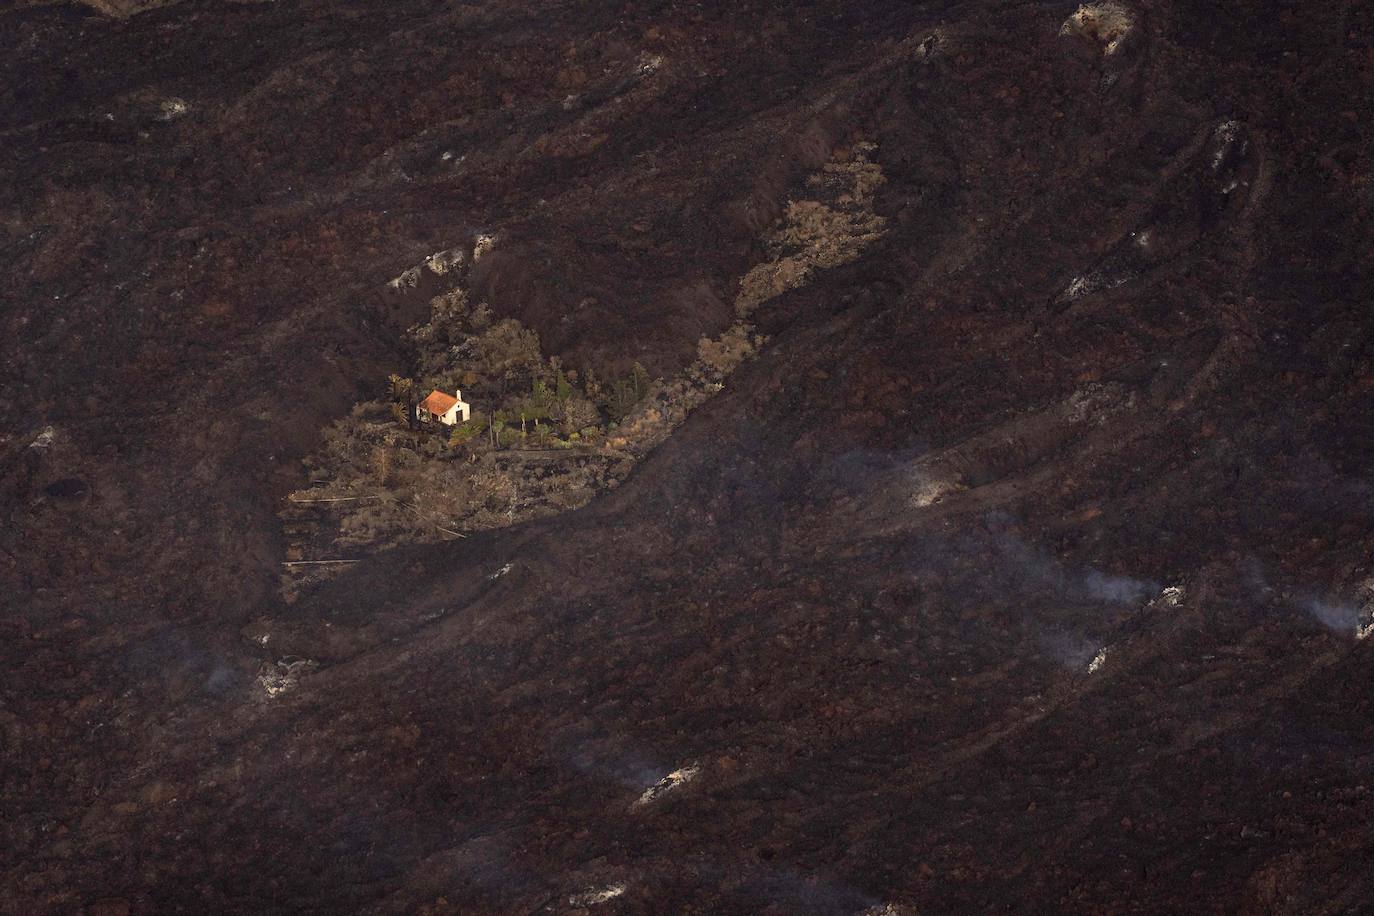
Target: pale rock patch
1106,23
45,438
284,676
597,896
441,262
407,280
649,63
674,780
172,108
1172,596
123,9
1098,661
1229,135
930,491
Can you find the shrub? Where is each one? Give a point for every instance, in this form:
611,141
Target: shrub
723,355
505,358
574,413
466,432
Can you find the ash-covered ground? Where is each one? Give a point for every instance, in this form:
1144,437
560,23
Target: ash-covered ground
1025,567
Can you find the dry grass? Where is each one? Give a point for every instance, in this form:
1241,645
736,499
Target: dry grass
818,234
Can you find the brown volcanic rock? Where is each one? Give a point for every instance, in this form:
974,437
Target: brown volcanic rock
1022,569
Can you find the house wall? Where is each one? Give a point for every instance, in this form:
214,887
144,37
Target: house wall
458,413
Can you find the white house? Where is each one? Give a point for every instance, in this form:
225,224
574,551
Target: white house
447,409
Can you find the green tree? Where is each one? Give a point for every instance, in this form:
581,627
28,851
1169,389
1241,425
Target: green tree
497,429
539,405
562,388
404,396
627,392
639,381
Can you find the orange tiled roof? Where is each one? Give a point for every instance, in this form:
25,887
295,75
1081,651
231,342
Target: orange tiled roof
438,403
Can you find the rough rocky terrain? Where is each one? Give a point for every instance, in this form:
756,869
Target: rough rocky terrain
1024,569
